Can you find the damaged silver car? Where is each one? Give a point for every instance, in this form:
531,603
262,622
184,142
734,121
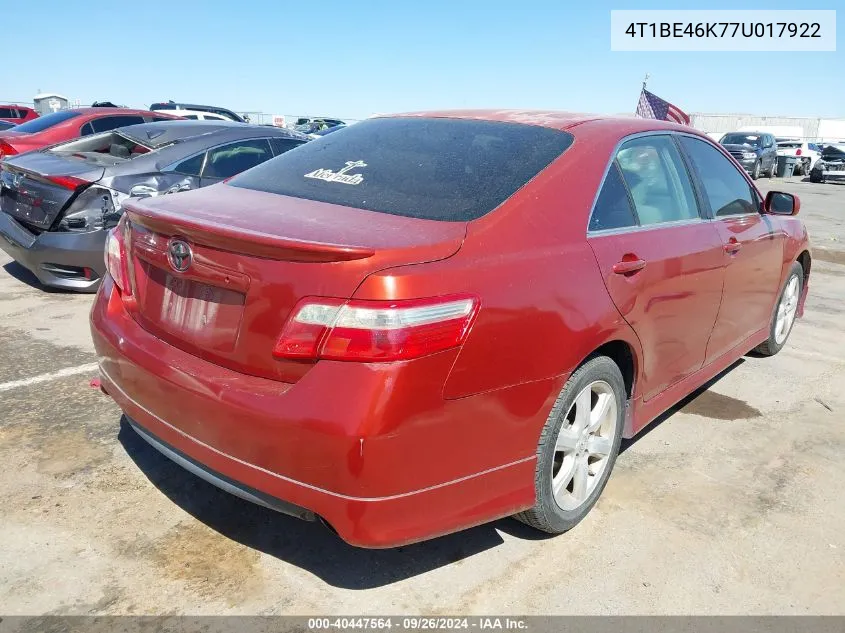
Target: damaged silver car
57,204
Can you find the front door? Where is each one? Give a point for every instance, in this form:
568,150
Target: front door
662,263
753,248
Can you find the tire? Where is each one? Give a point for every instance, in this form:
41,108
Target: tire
755,173
788,300
772,169
816,176
601,380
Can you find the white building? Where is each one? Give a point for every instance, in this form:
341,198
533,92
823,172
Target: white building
810,129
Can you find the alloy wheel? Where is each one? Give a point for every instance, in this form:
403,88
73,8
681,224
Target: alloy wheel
583,445
787,308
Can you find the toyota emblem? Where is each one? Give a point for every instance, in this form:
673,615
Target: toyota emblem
179,255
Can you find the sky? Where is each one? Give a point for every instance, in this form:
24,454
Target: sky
353,58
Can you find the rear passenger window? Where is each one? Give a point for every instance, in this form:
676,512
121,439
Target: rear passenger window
281,145
8,113
190,166
111,122
657,179
232,159
727,191
613,208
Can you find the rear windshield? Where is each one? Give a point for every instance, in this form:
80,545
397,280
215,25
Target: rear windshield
48,120
103,149
439,169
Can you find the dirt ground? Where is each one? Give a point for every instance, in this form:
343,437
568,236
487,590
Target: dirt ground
731,503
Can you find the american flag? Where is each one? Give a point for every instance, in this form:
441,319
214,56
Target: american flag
653,107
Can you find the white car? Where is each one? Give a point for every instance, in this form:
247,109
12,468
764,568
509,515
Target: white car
197,115
806,153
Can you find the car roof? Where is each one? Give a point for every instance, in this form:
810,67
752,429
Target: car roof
559,120
163,133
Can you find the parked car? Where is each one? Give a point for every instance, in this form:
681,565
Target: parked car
192,108
755,151
6,125
17,114
197,115
308,125
65,125
326,130
57,204
806,153
426,322
831,164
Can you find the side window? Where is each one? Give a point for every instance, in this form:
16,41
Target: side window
613,208
190,116
657,179
229,160
86,130
107,123
190,166
727,190
281,145
8,113
161,118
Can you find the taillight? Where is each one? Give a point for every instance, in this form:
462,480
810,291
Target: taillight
798,152
6,150
68,182
371,331
115,255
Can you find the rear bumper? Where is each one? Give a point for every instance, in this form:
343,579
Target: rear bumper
45,254
375,450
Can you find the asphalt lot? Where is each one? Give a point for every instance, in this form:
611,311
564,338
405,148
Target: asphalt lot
732,503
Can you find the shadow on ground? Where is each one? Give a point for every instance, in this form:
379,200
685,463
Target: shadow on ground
25,276
310,546
702,402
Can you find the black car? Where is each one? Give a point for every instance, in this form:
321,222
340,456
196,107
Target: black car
755,151
57,204
224,112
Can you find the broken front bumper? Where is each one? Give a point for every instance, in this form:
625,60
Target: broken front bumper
71,261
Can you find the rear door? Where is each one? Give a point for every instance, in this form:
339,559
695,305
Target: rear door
753,247
661,261
231,159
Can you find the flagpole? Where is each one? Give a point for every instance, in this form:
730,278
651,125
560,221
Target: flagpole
645,79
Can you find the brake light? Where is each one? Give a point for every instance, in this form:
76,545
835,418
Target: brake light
6,150
115,255
372,331
798,152
68,182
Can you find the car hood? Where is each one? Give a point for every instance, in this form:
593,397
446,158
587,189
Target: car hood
740,147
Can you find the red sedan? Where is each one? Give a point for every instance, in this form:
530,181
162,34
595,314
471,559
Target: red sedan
65,125
425,322
17,114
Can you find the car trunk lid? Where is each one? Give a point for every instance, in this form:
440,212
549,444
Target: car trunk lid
36,187
253,256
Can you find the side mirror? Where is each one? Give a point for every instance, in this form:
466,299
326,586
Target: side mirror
142,191
780,203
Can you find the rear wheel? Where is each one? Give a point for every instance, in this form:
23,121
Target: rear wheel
785,311
578,446
755,173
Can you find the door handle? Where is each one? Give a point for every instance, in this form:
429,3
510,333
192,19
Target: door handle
733,246
628,266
